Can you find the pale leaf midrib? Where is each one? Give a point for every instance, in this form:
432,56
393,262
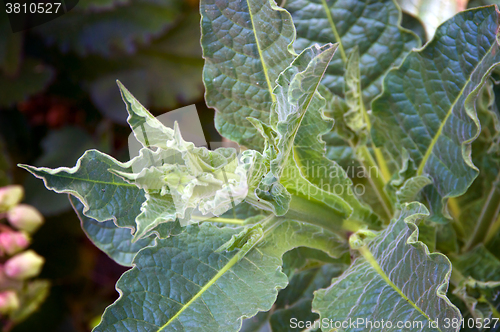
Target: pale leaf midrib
449,113
257,42
365,252
209,284
334,30
124,184
235,259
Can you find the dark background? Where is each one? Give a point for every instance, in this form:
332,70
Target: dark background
58,98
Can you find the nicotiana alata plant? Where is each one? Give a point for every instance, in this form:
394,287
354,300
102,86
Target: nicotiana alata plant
294,240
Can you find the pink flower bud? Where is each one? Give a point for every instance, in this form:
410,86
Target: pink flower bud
13,242
25,218
24,265
8,302
10,196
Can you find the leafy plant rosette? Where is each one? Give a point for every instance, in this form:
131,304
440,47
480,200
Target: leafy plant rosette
215,237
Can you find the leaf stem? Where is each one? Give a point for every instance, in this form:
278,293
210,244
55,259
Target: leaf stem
454,207
221,220
334,30
377,182
494,230
317,213
383,169
487,218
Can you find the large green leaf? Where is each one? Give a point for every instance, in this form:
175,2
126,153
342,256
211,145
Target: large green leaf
395,279
116,242
105,195
61,147
185,283
246,45
479,264
373,26
427,107
482,304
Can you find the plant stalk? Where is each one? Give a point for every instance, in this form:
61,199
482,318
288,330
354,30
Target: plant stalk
319,214
377,183
487,218
315,213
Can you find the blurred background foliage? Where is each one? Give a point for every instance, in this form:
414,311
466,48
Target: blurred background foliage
58,98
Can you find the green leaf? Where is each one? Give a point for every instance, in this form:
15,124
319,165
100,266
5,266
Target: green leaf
427,106
148,130
432,13
395,279
299,121
479,263
356,118
116,242
246,45
61,147
373,26
105,195
411,188
185,283
482,302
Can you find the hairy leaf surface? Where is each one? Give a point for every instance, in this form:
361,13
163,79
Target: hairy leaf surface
372,26
395,279
116,242
427,107
246,45
105,195
186,284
